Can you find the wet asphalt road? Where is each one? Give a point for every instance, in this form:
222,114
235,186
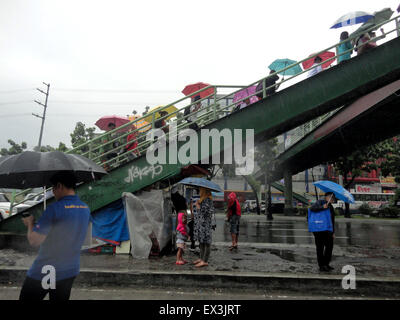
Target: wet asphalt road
256,229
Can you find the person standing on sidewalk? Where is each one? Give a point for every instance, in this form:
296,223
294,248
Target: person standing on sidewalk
181,229
203,230
233,216
60,233
324,239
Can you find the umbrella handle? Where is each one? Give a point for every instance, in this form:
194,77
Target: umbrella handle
44,197
330,198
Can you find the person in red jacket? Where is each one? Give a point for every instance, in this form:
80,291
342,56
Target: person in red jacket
233,215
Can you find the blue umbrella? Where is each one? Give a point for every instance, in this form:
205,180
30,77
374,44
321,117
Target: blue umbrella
200,182
280,64
352,18
340,192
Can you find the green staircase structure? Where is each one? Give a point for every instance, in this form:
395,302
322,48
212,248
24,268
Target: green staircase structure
271,116
297,196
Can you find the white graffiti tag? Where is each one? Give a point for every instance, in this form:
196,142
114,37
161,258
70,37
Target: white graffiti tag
136,172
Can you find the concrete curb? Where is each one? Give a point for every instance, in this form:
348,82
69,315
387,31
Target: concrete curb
329,285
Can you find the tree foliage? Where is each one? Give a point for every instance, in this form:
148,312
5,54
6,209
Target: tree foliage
14,149
382,155
265,155
391,162
80,135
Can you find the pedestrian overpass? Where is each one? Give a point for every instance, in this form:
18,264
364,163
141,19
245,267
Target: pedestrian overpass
271,116
368,120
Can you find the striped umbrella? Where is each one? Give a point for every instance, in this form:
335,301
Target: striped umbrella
351,18
141,124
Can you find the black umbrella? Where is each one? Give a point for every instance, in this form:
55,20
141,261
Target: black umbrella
34,169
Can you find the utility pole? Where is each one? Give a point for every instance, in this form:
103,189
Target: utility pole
43,117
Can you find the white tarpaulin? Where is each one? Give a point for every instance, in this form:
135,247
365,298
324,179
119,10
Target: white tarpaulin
147,213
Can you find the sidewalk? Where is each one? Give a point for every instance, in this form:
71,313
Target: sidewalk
266,266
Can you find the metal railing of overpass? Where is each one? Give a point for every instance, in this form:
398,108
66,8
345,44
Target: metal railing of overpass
95,148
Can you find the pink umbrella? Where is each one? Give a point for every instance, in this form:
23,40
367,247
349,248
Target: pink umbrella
103,122
245,93
324,56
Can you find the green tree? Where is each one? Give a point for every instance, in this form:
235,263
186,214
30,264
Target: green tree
14,149
80,135
265,154
353,165
61,147
391,159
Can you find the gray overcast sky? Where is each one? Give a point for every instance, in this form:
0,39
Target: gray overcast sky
111,57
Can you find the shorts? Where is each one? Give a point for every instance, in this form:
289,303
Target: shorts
235,221
181,240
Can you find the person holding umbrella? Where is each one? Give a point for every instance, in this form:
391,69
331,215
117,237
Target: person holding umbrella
110,150
60,233
203,219
315,68
345,46
324,239
271,80
203,230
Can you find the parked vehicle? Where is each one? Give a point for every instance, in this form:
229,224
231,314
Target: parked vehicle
251,205
5,207
32,199
373,200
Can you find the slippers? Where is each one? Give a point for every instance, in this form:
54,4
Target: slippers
180,263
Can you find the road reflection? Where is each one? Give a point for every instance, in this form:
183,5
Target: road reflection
296,232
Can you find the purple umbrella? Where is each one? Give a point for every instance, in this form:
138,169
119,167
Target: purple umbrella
245,93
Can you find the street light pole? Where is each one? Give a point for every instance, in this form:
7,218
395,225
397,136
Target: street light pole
44,111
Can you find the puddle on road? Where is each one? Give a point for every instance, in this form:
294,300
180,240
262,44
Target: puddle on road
290,256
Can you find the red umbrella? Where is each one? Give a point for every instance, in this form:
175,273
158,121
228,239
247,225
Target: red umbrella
189,89
324,56
103,122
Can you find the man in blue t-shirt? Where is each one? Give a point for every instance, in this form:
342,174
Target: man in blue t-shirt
60,233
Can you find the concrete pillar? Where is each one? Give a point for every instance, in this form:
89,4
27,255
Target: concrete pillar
288,210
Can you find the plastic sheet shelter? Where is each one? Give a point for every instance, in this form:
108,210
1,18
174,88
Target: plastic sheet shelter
148,214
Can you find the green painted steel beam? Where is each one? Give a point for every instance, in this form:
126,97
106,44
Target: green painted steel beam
269,117
374,125
297,196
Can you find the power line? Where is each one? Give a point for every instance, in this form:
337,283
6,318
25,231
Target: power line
15,90
12,115
115,90
15,102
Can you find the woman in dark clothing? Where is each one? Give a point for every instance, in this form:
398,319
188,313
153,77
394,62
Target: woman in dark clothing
203,229
324,239
268,82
